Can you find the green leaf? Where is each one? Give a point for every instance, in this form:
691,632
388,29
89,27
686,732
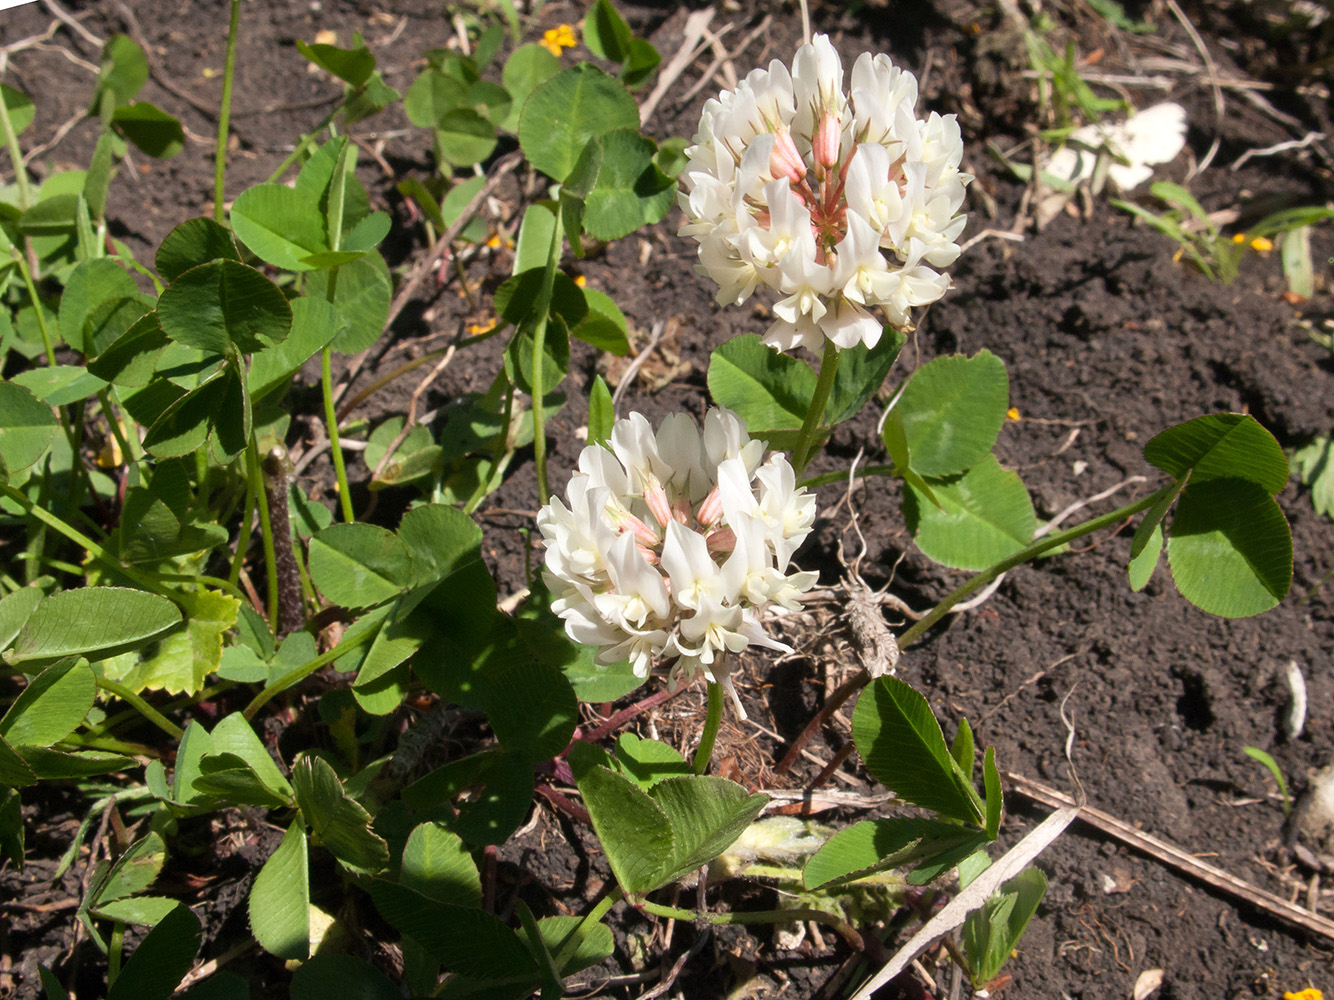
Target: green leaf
639,64
595,682
362,298
233,735
861,372
1142,565
359,565
27,427
467,940
1220,446
1229,548
1315,469
962,749
875,845
952,410
353,66
491,101
339,823
134,871
221,303
631,191
646,762
464,137
184,425
595,943
194,242
57,385
977,519
124,71
15,608
566,112
991,933
91,283
903,747
532,708
433,95
155,132
601,416
96,622
441,540
995,799
51,707
56,765
770,391
436,864
227,779
314,324
707,814
111,320
605,32
52,216
603,325
131,359
279,902
527,68
280,224
634,831
184,659
161,961
20,107
346,977
146,911
1153,517
14,770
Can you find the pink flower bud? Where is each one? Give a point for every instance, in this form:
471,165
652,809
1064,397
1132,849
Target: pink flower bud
681,509
710,508
722,540
825,142
642,532
656,498
785,160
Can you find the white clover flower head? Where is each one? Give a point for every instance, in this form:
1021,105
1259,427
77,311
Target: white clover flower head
845,204
675,543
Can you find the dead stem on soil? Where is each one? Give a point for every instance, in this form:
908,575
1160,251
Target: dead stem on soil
1161,851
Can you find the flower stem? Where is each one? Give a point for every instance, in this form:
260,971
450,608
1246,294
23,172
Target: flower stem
844,929
704,752
15,156
47,343
542,307
144,708
225,114
812,425
255,473
565,950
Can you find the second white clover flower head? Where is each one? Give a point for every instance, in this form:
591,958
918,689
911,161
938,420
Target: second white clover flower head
673,544
843,203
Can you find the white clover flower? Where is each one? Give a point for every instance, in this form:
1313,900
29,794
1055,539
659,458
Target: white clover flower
675,543
843,204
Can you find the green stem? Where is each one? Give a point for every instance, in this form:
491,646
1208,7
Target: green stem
225,114
825,478
15,156
331,418
145,709
254,472
216,582
117,943
813,424
79,538
704,752
247,525
1052,541
844,929
47,342
542,308
306,669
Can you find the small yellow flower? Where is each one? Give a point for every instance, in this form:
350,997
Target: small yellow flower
477,329
580,280
1311,993
557,38
1239,238
1012,413
1262,245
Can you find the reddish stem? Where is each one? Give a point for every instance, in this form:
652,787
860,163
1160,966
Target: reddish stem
832,704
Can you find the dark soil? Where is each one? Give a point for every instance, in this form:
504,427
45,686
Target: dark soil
1108,339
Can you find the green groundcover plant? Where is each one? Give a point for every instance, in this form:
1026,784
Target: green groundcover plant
144,415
